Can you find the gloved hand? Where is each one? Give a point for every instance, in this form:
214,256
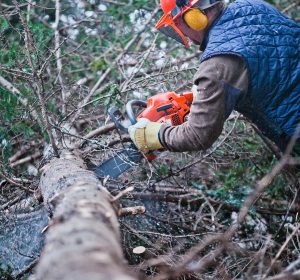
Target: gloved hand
144,135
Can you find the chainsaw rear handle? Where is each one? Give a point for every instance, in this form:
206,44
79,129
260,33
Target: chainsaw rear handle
129,109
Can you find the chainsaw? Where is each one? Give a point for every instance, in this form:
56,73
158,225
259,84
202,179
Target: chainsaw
167,107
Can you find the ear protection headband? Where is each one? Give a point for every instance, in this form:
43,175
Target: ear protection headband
195,19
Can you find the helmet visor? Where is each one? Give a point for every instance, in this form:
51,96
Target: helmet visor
167,26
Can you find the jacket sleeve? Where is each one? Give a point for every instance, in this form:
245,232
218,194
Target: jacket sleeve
220,82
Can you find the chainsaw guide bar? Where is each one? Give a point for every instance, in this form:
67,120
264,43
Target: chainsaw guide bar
119,163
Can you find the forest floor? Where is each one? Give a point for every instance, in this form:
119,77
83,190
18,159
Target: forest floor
230,212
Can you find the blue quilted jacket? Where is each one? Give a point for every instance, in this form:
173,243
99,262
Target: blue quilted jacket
269,43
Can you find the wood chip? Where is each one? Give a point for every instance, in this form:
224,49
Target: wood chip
139,250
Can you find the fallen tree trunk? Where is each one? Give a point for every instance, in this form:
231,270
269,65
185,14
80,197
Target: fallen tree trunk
83,239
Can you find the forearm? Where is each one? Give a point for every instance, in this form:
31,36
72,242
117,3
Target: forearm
212,104
202,128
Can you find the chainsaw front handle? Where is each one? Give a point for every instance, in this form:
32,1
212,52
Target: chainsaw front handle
118,119
129,109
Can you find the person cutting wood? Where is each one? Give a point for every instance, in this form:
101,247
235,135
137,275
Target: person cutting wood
250,63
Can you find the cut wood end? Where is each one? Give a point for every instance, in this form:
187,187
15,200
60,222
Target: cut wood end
131,211
68,155
139,250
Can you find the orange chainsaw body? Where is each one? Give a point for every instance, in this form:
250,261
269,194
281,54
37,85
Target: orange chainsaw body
168,107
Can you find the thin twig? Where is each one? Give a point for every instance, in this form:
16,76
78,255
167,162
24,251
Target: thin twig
200,159
25,159
39,83
10,87
281,250
108,70
58,56
13,182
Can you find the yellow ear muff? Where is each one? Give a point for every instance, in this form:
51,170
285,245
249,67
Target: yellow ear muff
195,19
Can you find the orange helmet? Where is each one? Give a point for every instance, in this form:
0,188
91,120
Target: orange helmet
172,10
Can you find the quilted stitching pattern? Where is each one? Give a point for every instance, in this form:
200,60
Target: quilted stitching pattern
269,42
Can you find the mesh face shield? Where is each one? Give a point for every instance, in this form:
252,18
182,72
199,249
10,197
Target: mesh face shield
167,26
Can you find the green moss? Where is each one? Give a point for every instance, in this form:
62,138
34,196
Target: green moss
6,273
99,64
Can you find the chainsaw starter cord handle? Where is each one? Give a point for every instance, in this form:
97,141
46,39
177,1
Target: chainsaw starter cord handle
129,109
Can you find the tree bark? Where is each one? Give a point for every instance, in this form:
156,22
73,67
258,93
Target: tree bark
83,238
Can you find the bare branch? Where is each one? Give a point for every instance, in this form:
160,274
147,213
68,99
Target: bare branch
64,93
108,70
39,82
